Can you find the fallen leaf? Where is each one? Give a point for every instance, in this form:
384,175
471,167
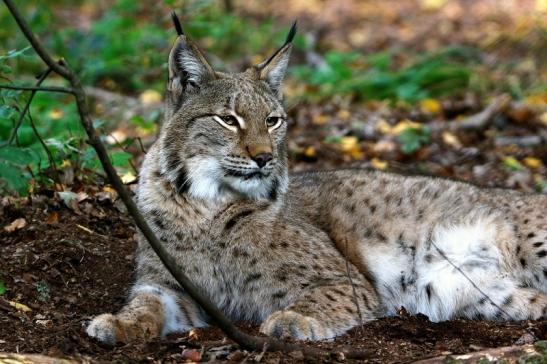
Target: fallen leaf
350,145
128,177
343,114
191,354
405,124
52,218
543,118
532,162
378,163
432,4
319,119
71,199
451,139
309,152
19,306
536,100
384,146
430,106
193,334
108,193
116,137
512,163
383,127
149,97
15,225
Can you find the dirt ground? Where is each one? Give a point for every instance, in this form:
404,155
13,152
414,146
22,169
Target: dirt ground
71,260
68,264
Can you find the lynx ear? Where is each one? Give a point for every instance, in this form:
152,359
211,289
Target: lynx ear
273,69
188,68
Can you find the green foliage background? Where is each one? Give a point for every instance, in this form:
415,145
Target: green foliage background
124,49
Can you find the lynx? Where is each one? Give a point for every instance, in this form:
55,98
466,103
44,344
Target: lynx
311,255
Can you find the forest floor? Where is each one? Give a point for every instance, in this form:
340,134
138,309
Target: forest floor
65,257
67,265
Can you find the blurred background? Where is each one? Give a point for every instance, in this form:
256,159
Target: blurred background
452,88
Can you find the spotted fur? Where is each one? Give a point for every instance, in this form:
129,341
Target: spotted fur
310,255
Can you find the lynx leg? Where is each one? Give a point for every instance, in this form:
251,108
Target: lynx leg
323,313
152,311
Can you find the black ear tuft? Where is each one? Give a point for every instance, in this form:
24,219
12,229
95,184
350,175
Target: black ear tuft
291,34
176,22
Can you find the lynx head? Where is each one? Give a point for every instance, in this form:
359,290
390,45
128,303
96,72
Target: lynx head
224,134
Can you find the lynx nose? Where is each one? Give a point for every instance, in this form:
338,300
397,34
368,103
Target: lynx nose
262,158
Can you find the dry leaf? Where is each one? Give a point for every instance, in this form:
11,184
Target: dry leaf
343,114
430,106
149,97
191,354
378,163
309,152
128,178
52,218
432,4
532,162
405,124
451,139
319,119
350,145
20,307
15,225
383,127
543,118
541,5
115,137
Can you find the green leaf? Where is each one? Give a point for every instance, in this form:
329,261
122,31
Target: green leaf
412,139
14,53
333,139
120,159
512,164
15,179
2,287
17,156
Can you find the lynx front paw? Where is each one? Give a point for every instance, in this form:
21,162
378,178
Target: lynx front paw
111,329
104,328
291,324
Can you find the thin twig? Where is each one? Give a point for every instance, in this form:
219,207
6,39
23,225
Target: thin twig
119,144
63,90
469,279
48,152
41,79
143,149
245,340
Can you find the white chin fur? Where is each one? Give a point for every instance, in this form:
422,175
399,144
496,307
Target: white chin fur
207,181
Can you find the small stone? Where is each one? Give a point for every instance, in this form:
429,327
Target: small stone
526,338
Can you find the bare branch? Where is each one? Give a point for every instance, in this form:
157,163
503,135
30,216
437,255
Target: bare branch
245,340
41,79
35,43
63,90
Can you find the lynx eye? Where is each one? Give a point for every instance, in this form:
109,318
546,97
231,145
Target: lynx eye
273,122
229,119
230,122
